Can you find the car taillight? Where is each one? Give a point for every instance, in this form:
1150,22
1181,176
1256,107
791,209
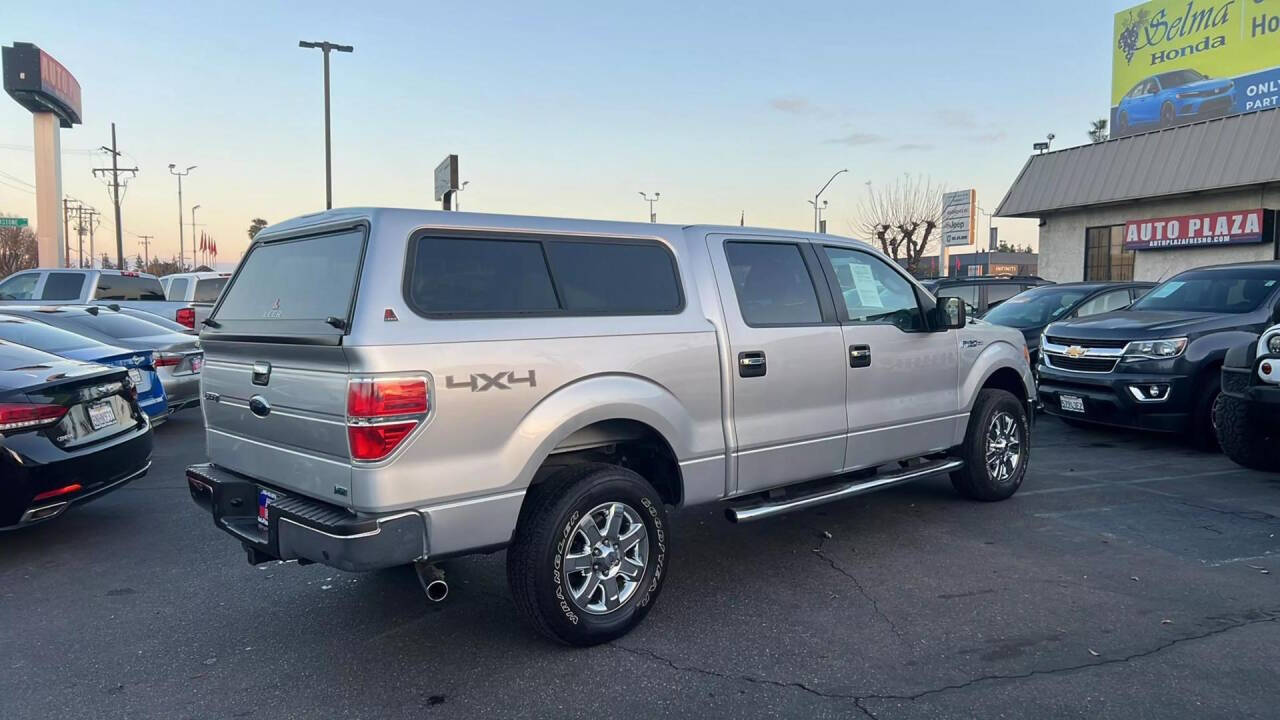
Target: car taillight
25,416
381,412
186,316
167,359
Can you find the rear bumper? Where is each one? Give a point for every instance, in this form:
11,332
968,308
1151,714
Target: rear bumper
299,528
182,391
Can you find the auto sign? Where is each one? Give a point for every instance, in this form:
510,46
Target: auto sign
1233,227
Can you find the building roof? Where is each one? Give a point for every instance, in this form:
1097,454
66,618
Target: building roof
1225,152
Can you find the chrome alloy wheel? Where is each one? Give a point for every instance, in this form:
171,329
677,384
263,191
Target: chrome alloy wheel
605,558
1004,446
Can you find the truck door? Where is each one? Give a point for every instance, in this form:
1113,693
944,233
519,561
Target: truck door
786,355
902,379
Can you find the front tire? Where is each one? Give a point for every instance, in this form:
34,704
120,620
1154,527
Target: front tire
1201,430
1254,445
997,446
589,555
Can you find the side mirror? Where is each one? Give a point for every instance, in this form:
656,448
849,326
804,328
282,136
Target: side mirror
950,314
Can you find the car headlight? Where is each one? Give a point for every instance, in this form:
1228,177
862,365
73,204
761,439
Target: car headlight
1155,349
1273,345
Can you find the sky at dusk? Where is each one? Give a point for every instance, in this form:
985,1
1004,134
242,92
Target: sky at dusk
565,108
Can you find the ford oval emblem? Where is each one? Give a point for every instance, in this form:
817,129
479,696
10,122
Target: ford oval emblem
259,406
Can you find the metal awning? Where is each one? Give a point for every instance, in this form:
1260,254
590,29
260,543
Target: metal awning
1217,154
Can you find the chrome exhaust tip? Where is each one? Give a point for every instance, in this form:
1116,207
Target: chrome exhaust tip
44,512
432,580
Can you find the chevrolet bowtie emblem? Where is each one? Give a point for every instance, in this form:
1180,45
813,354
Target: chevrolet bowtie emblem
1075,351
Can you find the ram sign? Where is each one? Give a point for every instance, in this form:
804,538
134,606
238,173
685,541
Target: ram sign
1180,61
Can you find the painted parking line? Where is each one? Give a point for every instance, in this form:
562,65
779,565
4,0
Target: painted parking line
1139,481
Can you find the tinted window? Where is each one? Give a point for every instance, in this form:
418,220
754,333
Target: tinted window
999,292
614,278
772,283
1232,290
207,289
128,287
14,356
20,287
178,289
306,279
1106,302
62,286
110,324
453,275
968,293
1035,307
873,292
43,337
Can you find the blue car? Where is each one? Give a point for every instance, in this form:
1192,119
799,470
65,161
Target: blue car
56,341
1173,97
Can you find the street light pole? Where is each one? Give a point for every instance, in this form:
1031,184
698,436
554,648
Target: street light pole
326,47
653,216
181,242
194,259
819,194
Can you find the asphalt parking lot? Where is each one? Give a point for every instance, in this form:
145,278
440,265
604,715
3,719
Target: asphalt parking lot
1132,577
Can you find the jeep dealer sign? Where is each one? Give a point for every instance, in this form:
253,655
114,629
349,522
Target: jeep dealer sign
1180,61
1220,228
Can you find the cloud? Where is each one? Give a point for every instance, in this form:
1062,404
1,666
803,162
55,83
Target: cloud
907,147
955,118
795,105
989,138
857,139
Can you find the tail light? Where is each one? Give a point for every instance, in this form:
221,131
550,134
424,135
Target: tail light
163,359
186,316
65,490
381,412
25,416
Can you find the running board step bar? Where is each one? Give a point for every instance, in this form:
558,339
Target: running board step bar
840,491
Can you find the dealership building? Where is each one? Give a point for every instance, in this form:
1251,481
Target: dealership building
1146,206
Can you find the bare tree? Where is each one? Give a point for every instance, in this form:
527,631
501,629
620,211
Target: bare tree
903,218
17,250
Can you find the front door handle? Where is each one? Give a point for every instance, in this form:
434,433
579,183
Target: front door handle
751,364
859,356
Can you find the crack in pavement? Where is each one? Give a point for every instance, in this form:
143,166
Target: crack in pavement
859,699
875,605
1256,515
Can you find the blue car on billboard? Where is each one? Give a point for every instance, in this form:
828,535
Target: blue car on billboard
1171,98
56,341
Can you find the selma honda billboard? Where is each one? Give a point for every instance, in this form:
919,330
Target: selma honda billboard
1180,61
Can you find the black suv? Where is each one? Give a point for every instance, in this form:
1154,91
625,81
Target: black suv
1156,364
982,292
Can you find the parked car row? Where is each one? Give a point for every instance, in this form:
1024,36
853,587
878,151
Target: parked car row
181,298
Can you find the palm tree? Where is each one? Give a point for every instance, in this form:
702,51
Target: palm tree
1098,130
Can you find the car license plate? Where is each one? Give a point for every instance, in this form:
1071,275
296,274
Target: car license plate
1071,403
135,377
264,497
197,362
101,415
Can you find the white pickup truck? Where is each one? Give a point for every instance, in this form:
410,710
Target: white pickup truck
1247,414
87,286
199,290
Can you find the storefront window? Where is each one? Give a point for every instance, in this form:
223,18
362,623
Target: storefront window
1104,255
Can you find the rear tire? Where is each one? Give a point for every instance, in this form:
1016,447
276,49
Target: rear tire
568,522
997,446
1251,444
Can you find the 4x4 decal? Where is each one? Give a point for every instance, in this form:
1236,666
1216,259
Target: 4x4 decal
480,382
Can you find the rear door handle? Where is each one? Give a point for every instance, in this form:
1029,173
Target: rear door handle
751,364
859,356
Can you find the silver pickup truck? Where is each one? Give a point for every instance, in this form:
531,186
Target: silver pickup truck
386,387
87,286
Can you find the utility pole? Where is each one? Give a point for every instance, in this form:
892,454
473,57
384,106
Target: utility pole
194,260
181,249
66,230
327,47
814,202
93,223
653,216
81,212
145,242
115,171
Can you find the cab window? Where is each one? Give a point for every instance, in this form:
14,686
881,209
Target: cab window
872,291
773,284
20,287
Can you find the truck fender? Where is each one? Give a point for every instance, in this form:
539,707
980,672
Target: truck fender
994,357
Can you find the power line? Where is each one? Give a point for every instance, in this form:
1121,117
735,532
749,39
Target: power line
17,179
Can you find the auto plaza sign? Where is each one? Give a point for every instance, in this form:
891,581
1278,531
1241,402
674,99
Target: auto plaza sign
1235,227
